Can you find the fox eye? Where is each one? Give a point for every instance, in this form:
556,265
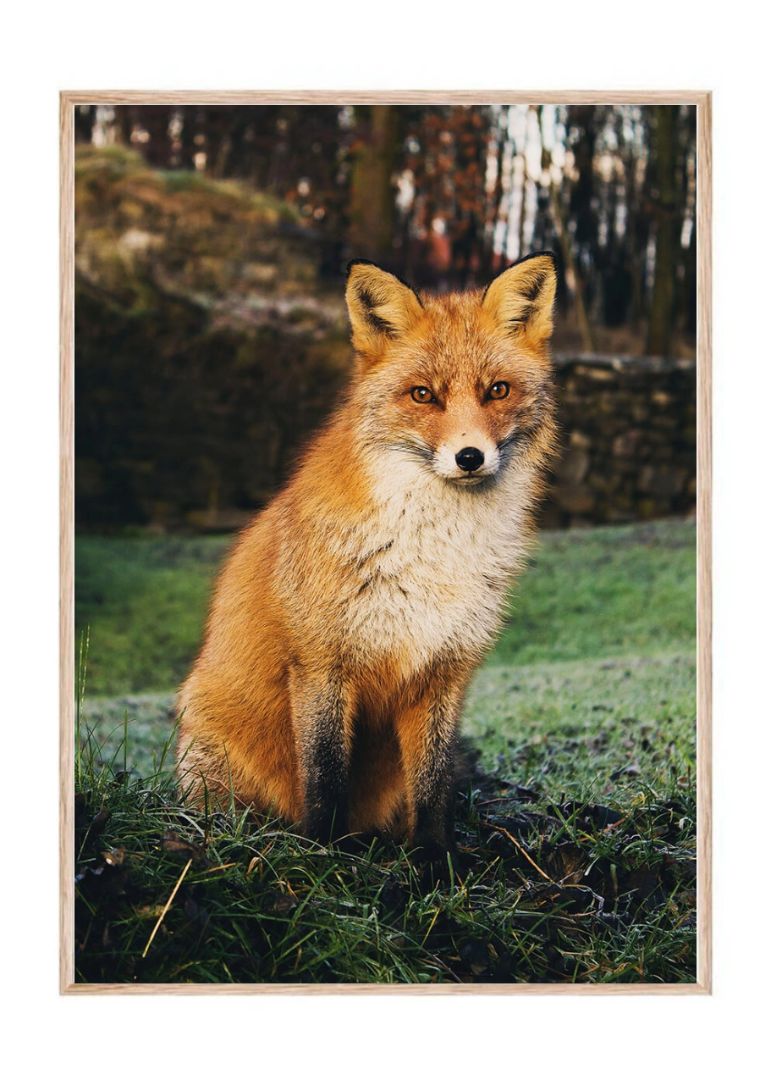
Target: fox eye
422,395
498,390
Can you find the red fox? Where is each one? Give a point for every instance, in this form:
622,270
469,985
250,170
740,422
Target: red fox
352,613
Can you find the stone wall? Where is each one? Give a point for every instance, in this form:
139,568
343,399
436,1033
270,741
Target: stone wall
628,440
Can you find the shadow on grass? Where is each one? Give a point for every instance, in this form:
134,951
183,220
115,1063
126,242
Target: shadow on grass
538,892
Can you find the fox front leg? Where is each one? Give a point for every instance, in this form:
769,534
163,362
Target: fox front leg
322,722
427,737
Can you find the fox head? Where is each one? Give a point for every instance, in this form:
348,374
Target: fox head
460,382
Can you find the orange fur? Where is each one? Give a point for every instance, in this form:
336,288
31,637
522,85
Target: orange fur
352,613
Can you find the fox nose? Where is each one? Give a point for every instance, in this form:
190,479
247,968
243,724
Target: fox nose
469,458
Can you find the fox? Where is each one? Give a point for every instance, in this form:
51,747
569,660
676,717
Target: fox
352,613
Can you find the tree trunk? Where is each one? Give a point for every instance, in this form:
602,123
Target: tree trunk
85,115
572,271
371,208
662,315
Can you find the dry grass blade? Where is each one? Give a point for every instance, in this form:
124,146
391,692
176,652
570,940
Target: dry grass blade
166,907
523,851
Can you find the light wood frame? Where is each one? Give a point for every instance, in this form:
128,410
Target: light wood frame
703,101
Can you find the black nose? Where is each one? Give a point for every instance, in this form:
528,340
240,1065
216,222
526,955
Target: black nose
469,458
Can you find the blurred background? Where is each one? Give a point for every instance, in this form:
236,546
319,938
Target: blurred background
211,336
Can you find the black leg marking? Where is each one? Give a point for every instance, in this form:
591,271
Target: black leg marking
325,752
433,817
326,797
432,783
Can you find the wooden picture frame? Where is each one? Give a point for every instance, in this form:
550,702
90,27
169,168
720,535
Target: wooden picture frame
69,100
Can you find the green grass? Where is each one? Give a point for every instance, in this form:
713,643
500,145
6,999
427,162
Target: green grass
576,825
143,601
604,592
625,591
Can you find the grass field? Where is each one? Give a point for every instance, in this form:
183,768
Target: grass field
576,811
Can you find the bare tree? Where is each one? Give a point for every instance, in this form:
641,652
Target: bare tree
665,206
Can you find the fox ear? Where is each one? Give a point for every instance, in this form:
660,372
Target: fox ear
380,306
522,297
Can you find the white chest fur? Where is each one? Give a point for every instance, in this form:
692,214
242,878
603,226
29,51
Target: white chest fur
434,564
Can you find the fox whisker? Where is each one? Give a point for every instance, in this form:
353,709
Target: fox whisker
415,450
